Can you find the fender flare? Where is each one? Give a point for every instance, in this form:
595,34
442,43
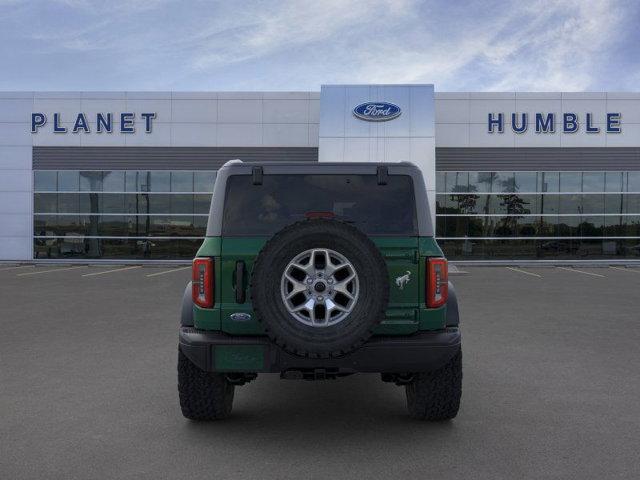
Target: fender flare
186,313
453,315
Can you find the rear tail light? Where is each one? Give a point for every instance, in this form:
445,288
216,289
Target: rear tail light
437,282
202,282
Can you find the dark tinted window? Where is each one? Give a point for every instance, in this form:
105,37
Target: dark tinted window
285,199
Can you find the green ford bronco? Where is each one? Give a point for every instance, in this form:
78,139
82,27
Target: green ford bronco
317,271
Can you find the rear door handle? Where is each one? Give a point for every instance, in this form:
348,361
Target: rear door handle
240,290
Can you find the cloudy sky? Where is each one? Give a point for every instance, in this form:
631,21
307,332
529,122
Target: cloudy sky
539,45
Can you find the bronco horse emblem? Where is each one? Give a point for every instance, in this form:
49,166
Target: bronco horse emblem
402,280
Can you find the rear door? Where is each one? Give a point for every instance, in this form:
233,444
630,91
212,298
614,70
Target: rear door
238,255
255,212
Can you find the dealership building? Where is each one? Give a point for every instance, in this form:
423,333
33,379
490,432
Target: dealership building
510,176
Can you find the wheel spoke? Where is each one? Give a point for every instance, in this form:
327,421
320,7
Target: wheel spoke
307,269
309,287
297,288
342,287
308,306
331,268
293,280
311,309
331,306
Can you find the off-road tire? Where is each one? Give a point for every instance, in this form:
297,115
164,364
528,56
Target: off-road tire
203,395
305,340
436,395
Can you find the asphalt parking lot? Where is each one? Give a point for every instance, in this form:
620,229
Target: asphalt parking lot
551,386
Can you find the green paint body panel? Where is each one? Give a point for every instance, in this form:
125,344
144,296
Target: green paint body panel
405,256
211,247
239,358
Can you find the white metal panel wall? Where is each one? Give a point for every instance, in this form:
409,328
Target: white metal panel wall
16,223
461,118
187,119
183,119
409,137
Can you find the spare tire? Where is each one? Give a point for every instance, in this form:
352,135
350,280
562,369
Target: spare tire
319,287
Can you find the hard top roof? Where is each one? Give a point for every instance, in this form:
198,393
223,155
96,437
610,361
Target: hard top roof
240,163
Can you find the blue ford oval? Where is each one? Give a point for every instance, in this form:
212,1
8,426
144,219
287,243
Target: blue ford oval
377,111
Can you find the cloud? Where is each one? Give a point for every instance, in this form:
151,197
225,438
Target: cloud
543,46
289,24
299,44
562,48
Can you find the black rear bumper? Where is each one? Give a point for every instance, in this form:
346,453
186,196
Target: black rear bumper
420,352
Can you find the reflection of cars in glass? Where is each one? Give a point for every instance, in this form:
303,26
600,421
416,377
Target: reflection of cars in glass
550,246
145,245
467,247
561,246
317,271
632,250
589,249
72,244
46,247
177,228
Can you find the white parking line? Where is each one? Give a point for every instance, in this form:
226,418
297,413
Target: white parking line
581,271
522,271
168,271
49,271
454,270
15,268
111,271
633,270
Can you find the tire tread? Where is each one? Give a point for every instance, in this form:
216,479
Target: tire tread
203,395
435,396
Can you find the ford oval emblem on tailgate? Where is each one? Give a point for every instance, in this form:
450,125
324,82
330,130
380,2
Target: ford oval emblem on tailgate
240,317
377,111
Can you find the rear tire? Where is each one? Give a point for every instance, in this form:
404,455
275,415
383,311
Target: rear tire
203,395
436,395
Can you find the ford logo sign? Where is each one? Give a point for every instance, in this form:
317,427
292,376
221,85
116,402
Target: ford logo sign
377,111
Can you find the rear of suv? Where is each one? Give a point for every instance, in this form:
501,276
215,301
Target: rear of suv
317,271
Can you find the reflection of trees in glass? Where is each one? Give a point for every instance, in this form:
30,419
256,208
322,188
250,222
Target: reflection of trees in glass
92,245
509,184
465,202
548,226
589,229
527,229
487,178
143,187
514,205
617,200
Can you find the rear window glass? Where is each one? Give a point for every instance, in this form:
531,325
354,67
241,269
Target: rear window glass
284,199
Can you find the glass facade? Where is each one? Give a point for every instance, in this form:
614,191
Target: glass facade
120,213
502,215
538,215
